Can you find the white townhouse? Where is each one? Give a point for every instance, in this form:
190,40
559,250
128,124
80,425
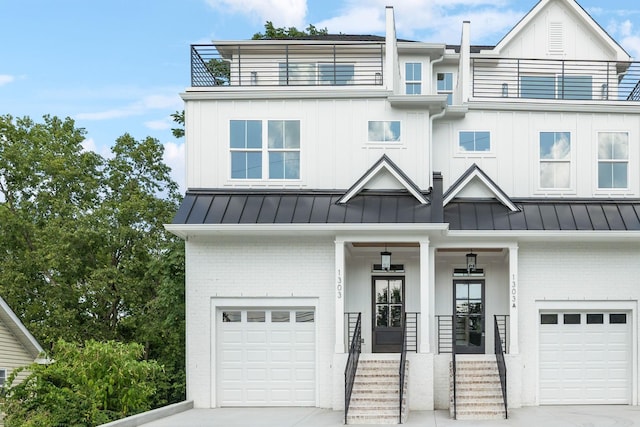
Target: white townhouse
372,222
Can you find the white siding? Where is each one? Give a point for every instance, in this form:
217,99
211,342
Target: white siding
12,353
333,143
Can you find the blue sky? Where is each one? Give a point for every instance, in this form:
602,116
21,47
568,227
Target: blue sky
118,66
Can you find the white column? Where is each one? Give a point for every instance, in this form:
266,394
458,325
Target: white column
339,296
426,297
514,303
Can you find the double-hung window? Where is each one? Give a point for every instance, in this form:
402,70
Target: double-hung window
474,142
613,159
253,157
555,160
413,78
445,86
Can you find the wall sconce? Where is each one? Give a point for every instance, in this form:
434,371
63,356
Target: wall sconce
385,259
471,262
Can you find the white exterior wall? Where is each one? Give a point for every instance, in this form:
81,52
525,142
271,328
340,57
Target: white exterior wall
576,276
580,42
334,150
514,159
277,271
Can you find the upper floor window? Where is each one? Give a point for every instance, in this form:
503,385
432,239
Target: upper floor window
556,87
555,159
252,158
323,73
613,159
384,131
445,86
474,142
413,78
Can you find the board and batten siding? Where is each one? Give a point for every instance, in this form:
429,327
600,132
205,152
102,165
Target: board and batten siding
334,146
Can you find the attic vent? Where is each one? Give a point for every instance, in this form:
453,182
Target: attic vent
556,37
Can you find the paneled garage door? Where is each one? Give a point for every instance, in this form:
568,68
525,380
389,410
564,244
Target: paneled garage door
585,358
266,357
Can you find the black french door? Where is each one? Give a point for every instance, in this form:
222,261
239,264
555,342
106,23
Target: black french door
469,324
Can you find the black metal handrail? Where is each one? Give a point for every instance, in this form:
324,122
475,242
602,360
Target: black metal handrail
556,79
403,361
453,372
502,366
350,321
503,331
287,63
352,365
445,333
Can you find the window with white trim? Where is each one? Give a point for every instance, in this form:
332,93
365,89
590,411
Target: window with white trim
384,131
474,141
445,86
277,158
555,160
413,78
613,160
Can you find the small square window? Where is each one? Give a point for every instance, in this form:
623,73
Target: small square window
280,316
305,316
572,319
231,316
595,319
548,319
255,316
617,318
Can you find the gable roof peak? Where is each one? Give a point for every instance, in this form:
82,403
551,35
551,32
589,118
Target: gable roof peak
384,163
474,173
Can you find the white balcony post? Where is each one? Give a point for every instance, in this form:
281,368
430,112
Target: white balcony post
427,292
339,296
513,300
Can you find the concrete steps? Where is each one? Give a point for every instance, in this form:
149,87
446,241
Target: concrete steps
375,395
478,390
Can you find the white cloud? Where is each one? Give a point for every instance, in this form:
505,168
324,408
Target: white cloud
174,157
146,104
89,144
427,20
5,79
162,124
282,12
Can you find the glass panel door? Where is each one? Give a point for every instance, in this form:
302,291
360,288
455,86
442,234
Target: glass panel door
469,316
388,309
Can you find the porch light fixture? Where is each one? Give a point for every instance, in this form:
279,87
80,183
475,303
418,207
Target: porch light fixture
385,259
471,262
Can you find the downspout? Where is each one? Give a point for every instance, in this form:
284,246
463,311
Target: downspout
431,120
435,61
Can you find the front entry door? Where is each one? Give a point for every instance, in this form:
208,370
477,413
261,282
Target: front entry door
468,305
388,312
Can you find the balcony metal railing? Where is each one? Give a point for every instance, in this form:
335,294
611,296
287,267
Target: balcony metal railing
287,64
556,79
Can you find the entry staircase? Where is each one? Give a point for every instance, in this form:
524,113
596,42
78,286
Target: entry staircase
478,389
375,396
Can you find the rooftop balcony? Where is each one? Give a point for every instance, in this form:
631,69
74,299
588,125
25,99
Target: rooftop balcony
287,63
555,79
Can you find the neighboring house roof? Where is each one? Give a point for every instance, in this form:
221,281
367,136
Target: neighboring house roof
545,215
340,37
580,11
13,323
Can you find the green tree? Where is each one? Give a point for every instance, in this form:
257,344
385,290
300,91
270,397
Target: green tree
83,251
84,386
271,32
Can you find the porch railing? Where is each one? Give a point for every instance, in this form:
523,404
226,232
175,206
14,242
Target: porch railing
403,363
445,333
352,364
287,64
502,366
556,79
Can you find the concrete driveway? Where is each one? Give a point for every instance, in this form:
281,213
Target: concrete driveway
545,416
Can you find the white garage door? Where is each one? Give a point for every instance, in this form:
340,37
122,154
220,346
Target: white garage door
585,358
266,357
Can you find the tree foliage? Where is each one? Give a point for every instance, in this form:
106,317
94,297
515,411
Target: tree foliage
271,32
83,251
84,386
